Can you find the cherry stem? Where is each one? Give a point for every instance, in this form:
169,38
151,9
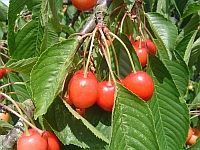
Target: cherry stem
115,55
109,66
5,85
90,52
17,107
25,121
127,51
85,51
108,53
122,22
5,55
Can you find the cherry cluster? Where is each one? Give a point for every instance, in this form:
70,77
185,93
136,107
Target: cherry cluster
142,48
36,140
84,90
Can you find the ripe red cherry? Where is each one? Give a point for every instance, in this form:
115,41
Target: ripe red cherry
3,72
140,83
83,90
142,55
84,5
32,141
149,45
106,93
52,140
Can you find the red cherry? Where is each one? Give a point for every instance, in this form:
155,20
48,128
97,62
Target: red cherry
52,140
3,72
84,5
192,140
142,55
83,90
106,93
32,141
81,111
189,134
149,45
140,83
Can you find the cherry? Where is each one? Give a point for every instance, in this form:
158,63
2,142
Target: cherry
140,83
5,116
189,134
106,91
192,140
142,55
196,131
84,5
81,111
52,140
83,90
33,141
149,45
3,72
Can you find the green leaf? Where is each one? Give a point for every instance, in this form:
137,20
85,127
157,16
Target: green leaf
190,9
182,45
28,41
163,7
189,48
171,116
165,31
21,90
3,11
192,25
195,53
23,66
15,7
49,73
4,127
71,128
54,19
132,125
124,63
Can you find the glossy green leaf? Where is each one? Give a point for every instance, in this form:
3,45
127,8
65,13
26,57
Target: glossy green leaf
132,125
178,70
23,66
49,73
54,19
28,41
171,116
124,63
4,127
191,8
182,45
195,53
192,25
163,7
165,31
71,128
14,9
